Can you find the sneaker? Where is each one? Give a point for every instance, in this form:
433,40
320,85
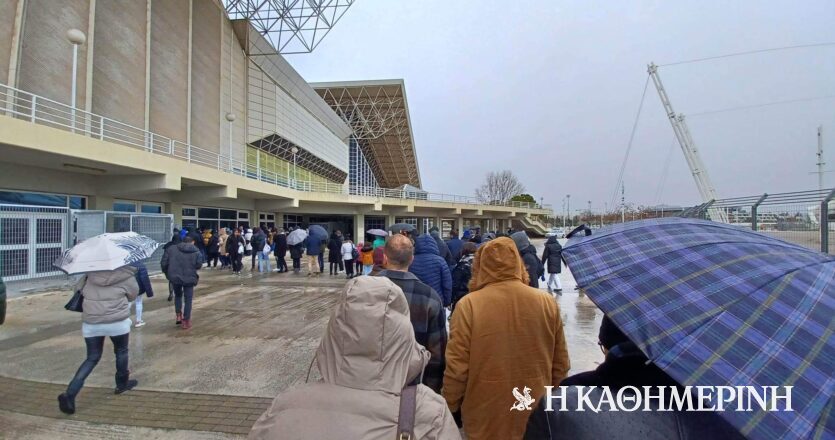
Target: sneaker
129,386
186,324
139,324
179,319
66,404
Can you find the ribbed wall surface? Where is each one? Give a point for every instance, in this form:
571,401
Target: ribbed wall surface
7,15
205,75
169,68
119,61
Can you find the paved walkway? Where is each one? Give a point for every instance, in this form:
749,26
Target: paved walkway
153,409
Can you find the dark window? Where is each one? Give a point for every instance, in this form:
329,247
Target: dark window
189,212
228,214
207,224
243,215
77,202
152,209
189,223
207,213
14,231
48,230
37,199
44,257
124,207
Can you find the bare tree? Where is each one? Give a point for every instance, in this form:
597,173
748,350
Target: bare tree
499,187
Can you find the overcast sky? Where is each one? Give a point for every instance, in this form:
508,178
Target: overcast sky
550,89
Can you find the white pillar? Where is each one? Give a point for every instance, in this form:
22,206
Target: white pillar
359,228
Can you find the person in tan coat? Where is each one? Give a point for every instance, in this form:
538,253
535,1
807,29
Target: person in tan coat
503,335
367,356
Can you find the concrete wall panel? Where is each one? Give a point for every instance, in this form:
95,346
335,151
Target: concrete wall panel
46,55
169,68
8,8
205,75
119,61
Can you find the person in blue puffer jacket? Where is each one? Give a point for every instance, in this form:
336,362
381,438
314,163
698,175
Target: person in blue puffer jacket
431,269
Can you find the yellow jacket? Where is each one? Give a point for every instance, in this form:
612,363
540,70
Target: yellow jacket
503,335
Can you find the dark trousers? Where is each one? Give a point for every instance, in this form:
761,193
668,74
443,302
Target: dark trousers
349,267
297,263
358,263
179,292
212,261
95,345
281,263
321,262
224,261
237,262
334,267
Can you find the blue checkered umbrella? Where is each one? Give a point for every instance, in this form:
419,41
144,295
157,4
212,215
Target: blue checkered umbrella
713,304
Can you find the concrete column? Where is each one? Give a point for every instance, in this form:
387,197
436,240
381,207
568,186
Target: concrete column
459,225
359,228
279,220
175,208
100,203
439,225
389,220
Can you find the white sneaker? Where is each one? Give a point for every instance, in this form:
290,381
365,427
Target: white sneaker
139,324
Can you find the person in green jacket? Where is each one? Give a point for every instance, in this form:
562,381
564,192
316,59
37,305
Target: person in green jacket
378,241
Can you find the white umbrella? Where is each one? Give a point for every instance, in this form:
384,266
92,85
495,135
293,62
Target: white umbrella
106,252
377,232
296,237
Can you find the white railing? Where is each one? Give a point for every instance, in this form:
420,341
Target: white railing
44,111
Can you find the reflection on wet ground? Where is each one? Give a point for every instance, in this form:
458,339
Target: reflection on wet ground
253,335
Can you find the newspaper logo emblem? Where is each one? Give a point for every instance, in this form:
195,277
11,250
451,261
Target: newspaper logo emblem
523,401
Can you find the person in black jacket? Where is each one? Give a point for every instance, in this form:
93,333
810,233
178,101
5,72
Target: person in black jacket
181,263
259,239
213,250
280,250
553,256
334,254
235,248
625,365
296,251
528,253
175,239
463,272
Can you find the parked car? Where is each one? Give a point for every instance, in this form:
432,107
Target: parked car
556,232
2,301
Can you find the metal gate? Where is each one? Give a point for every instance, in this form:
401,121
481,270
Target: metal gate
31,238
86,224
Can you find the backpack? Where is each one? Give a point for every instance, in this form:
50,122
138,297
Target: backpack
355,254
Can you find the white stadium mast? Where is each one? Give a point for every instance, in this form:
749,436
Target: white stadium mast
688,147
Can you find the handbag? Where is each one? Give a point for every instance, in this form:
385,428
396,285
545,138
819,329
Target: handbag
355,254
240,249
406,420
76,303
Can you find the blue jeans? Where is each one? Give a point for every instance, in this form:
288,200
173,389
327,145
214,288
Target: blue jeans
180,291
95,346
264,263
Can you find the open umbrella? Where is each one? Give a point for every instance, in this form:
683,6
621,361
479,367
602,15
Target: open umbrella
712,304
319,231
377,232
106,252
401,227
297,236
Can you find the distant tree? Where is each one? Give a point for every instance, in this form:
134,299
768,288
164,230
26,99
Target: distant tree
499,187
523,198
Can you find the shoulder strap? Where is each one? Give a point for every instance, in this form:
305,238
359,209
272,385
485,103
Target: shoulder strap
406,420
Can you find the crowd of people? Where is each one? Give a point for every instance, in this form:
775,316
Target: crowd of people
440,332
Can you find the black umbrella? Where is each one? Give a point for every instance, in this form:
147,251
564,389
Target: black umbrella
398,228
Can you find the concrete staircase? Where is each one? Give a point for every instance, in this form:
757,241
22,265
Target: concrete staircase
530,225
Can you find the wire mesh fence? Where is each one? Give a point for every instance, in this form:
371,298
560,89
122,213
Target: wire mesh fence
806,218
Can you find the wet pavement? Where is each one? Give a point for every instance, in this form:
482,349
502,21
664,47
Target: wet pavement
253,335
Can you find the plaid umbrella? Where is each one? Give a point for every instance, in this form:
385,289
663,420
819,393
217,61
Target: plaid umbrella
712,304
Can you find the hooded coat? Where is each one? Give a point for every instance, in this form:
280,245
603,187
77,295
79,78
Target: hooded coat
180,264
334,249
552,256
366,357
443,249
503,334
528,253
107,295
280,244
454,245
430,268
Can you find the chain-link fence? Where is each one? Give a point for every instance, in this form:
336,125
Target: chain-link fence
806,218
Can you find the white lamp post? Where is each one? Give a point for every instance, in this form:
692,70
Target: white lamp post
231,118
77,38
295,151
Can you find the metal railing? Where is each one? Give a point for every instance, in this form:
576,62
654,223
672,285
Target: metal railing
802,217
44,111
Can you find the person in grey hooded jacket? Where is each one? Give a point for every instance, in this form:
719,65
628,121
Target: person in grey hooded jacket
180,264
106,313
443,249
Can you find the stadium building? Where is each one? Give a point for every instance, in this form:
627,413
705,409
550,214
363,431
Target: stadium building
187,110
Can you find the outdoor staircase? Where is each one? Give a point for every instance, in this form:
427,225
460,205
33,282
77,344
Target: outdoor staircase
530,225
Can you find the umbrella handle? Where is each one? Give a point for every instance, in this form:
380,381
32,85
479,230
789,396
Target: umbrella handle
577,230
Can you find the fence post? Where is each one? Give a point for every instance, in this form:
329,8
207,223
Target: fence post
32,110
101,127
152,141
825,221
754,211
